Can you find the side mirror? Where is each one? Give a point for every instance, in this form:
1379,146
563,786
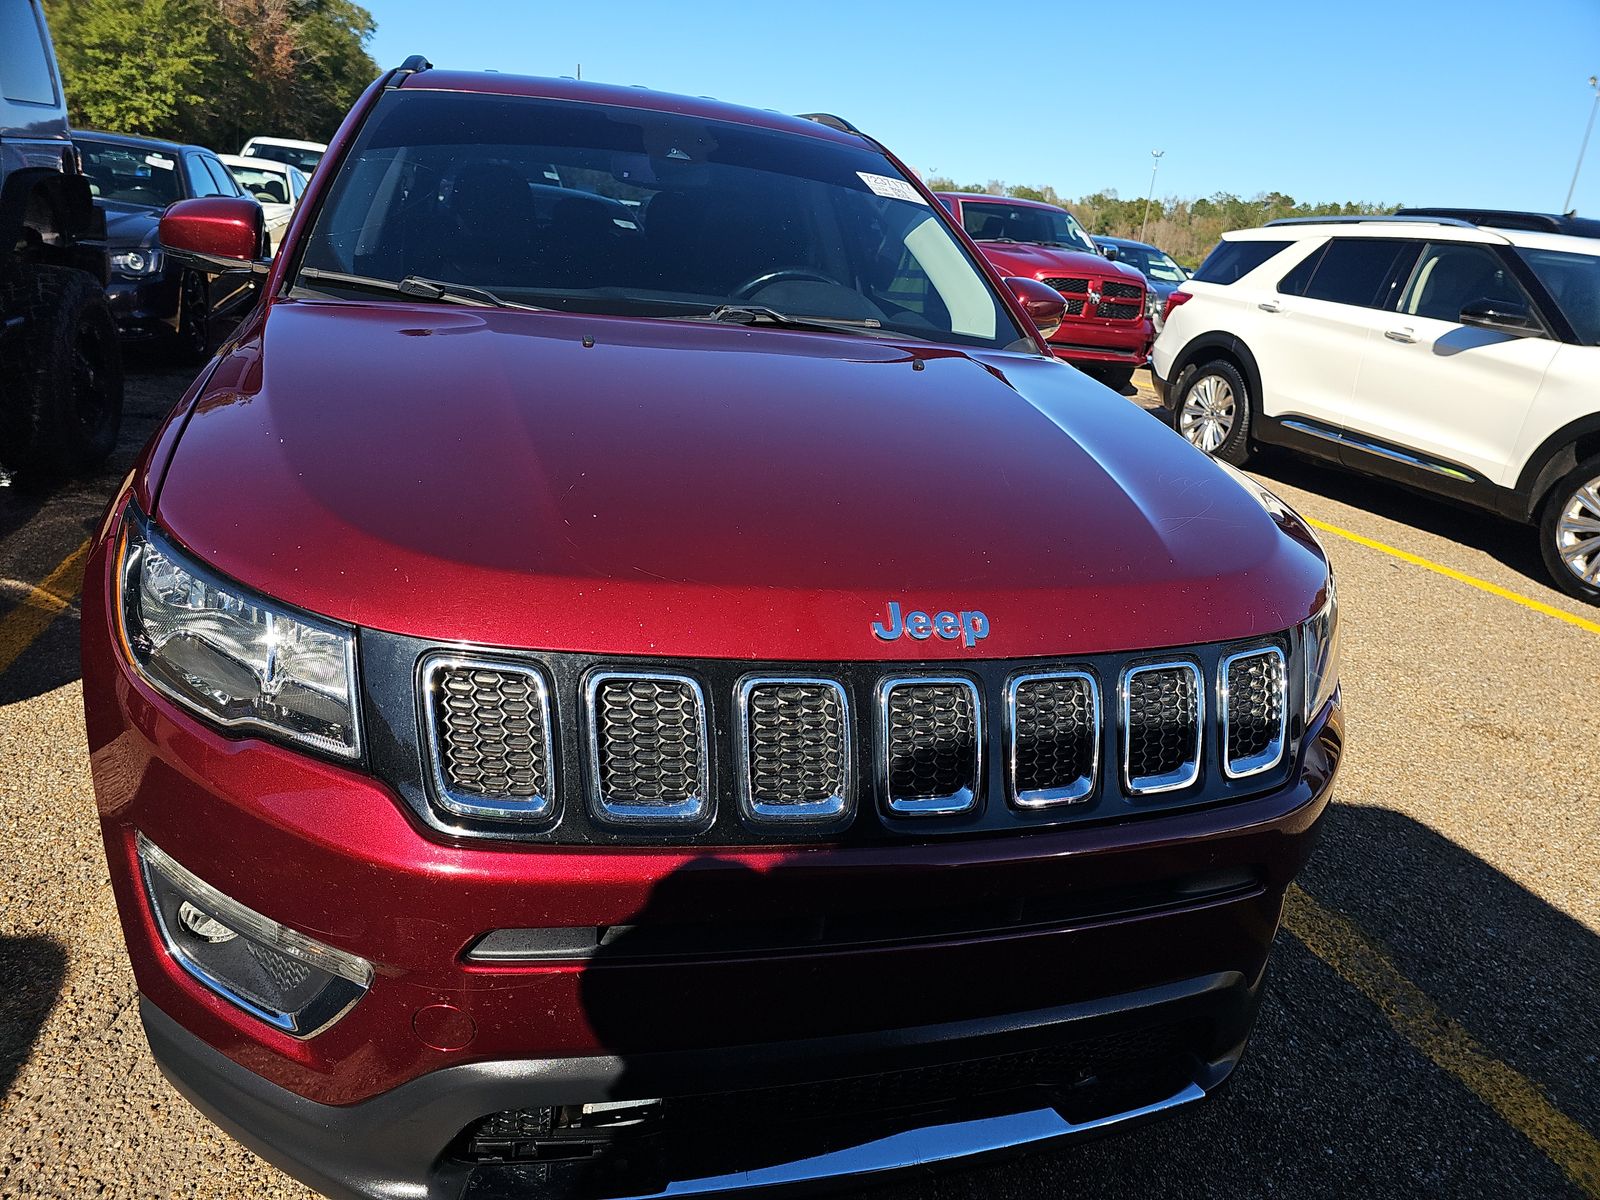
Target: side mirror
1502,316
218,233
1110,252
1042,303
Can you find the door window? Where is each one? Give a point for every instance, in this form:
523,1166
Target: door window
25,73
1364,272
1452,275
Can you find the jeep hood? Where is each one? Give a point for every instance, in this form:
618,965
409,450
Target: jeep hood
690,489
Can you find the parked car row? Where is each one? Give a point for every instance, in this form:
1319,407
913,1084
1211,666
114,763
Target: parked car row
1455,351
134,180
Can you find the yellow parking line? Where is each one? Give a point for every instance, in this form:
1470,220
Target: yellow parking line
21,627
1517,1099
1493,589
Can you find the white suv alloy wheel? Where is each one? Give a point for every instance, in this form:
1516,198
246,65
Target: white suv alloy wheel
1578,532
1208,413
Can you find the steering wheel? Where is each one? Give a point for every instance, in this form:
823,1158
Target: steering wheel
756,282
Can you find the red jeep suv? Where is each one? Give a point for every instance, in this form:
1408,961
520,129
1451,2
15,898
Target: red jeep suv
670,686
1108,328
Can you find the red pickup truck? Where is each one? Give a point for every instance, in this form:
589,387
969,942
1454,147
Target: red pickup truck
1107,331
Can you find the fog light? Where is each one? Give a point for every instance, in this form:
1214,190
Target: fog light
283,977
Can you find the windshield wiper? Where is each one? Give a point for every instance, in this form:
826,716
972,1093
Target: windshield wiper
420,288
760,314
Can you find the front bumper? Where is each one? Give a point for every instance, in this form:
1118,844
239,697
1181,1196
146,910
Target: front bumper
407,1143
145,309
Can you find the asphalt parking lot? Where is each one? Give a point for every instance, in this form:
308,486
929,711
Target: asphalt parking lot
1432,1029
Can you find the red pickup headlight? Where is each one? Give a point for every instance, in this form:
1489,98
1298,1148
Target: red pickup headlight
1173,301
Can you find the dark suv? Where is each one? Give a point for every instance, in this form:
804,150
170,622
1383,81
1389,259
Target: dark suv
684,691
60,371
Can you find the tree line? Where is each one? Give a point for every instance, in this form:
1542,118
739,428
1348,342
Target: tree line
1186,229
212,72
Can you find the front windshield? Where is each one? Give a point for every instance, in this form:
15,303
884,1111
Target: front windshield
1150,263
305,160
269,187
1574,281
656,215
130,174
992,222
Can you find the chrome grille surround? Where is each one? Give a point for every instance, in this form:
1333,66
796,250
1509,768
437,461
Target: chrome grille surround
896,703
512,766
1022,715
827,789
1175,745
632,743
1255,709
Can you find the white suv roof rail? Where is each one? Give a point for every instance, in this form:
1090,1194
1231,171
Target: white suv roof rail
1373,220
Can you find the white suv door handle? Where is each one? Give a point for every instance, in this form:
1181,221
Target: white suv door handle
1269,306
1400,335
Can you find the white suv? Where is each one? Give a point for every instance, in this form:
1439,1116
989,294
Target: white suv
1456,351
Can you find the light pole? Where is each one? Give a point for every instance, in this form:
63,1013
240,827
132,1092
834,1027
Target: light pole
1155,166
1594,82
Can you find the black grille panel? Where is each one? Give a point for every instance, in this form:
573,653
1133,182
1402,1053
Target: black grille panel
1162,714
1075,305
796,749
648,734
931,743
1120,312
1255,684
1077,285
1055,730
490,732
1122,291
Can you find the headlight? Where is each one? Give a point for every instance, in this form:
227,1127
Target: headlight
136,262
1321,650
232,656
1152,304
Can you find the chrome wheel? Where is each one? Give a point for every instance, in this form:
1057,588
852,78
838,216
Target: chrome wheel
1208,413
1577,533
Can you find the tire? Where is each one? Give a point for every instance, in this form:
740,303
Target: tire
60,376
1115,378
1569,531
191,344
1213,411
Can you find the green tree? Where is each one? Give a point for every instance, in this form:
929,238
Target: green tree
132,66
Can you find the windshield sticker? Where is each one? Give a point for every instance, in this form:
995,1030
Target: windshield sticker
155,160
894,189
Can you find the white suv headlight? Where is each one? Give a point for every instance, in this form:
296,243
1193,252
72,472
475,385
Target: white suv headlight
231,656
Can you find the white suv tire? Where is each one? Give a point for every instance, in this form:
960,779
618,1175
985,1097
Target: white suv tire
1213,410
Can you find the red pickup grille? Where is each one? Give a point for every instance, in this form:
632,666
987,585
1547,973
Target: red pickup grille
1108,299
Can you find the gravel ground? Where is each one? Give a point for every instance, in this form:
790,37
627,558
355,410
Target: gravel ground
1463,843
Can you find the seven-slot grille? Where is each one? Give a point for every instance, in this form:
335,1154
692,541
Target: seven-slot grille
647,747
1163,709
489,735
491,747
931,745
1254,715
795,752
1054,725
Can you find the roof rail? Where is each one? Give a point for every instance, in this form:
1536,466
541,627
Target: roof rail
832,122
1395,219
1502,218
410,67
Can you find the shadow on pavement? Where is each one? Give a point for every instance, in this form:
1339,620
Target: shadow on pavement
1511,544
33,969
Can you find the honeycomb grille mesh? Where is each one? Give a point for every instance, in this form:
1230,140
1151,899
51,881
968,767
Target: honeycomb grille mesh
1120,312
1163,723
1255,685
1121,291
649,733
1056,735
932,741
1068,284
491,732
796,743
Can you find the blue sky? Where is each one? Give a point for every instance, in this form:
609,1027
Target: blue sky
1465,102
